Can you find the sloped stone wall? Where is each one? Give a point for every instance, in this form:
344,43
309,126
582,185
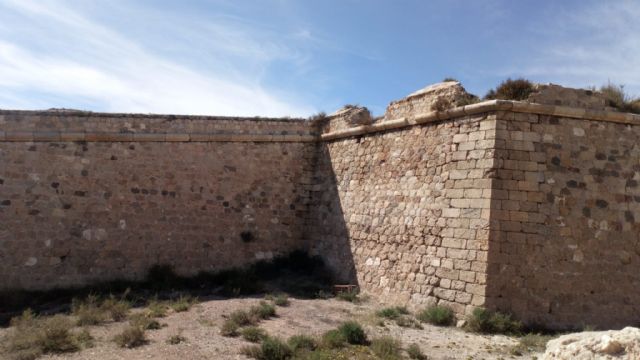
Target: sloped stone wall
410,210
565,221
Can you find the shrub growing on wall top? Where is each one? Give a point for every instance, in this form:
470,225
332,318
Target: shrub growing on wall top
518,89
617,98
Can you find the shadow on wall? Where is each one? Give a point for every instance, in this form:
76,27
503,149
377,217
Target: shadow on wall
326,231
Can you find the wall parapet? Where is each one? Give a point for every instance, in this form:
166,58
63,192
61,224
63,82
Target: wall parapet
48,136
304,131
48,126
486,106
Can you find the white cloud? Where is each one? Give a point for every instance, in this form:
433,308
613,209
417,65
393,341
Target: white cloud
589,46
73,58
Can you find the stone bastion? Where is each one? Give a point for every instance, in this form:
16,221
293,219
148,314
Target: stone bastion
529,207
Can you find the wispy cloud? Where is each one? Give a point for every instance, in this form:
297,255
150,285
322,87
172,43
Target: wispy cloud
50,48
592,45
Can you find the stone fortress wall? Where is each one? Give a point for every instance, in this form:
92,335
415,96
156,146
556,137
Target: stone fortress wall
525,207
91,197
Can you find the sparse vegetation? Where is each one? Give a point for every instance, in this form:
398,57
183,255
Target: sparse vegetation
319,116
386,348
353,333
518,89
333,339
468,100
408,322
531,343
616,97
84,339
145,322
253,351
132,336
302,342
270,349
449,79
253,334
263,311
350,296
229,328
157,309
176,339
297,274
88,312
242,318
183,303
93,312
414,352
437,315
117,309
441,104
392,312
490,322
281,300
33,336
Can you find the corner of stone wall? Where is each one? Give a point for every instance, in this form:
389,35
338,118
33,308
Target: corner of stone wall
347,117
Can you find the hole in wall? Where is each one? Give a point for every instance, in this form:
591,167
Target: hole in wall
247,236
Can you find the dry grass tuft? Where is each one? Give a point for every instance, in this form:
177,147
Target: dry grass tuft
91,311
33,336
617,97
183,303
132,336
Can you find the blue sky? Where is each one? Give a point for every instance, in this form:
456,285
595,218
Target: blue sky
298,57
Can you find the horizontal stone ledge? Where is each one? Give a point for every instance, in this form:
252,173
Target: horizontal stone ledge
484,107
114,137
41,136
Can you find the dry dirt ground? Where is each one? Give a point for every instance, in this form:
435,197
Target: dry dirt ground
201,328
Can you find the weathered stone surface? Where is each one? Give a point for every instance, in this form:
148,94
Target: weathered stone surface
75,212
390,212
568,211
510,208
347,117
551,94
622,344
450,93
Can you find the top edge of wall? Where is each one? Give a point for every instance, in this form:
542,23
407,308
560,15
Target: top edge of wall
484,107
378,125
82,113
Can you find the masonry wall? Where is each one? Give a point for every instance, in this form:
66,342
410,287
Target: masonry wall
526,208
565,220
405,213
134,191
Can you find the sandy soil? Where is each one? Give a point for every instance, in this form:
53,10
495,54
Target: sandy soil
201,327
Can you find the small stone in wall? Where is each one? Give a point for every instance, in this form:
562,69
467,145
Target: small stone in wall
578,256
31,261
625,257
264,255
97,234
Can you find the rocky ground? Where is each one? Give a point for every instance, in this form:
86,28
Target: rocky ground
200,326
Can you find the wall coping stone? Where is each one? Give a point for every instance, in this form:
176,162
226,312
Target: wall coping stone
48,136
483,107
378,126
80,113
